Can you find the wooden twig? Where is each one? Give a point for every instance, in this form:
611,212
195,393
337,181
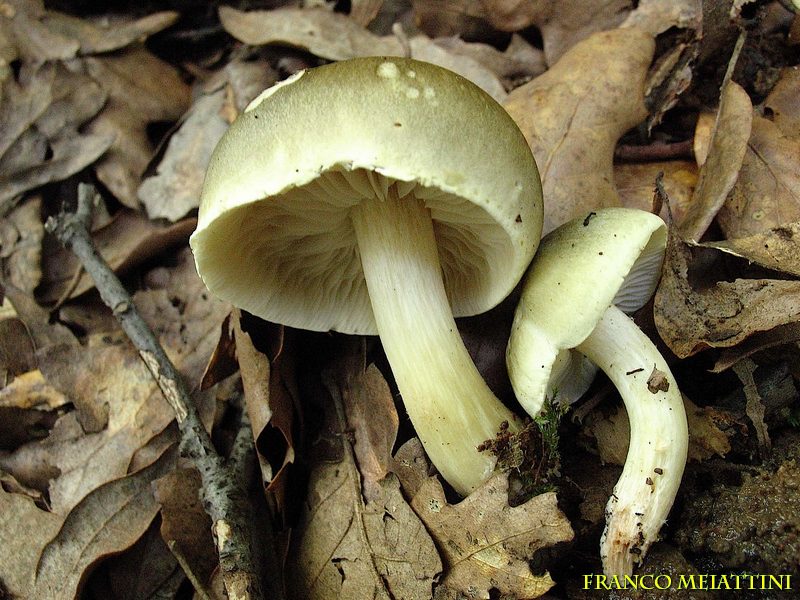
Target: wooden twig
224,498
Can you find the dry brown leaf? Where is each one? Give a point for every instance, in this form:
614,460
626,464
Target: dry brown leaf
363,11
726,151
74,99
108,520
438,18
371,415
518,61
767,192
142,89
783,103
25,529
612,433
336,37
485,543
636,182
105,35
270,395
573,115
777,248
411,466
24,101
184,522
70,155
175,189
28,38
344,547
21,236
128,240
657,16
36,319
119,409
29,391
40,112
723,315
17,352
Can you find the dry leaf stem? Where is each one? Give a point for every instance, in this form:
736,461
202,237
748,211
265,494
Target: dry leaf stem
224,496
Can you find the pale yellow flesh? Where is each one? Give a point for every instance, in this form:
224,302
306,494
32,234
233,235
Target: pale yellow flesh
644,494
448,402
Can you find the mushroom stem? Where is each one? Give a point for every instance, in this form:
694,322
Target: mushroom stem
449,404
644,494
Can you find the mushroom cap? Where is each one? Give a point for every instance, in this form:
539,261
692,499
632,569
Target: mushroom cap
610,256
274,235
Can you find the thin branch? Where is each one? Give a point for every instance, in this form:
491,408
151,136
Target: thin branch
224,498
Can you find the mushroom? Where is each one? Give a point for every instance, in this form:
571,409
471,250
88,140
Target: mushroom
586,275
379,195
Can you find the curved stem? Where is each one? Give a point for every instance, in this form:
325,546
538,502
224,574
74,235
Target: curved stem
659,441
449,404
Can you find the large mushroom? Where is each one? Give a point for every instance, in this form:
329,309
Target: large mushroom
586,275
379,195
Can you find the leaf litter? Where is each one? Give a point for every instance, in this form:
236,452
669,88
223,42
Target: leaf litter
137,102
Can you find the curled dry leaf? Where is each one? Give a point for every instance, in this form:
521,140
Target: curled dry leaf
485,543
336,37
184,522
723,315
108,520
573,115
270,396
726,151
777,248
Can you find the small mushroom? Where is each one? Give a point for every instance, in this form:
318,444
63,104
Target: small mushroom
379,195
586,275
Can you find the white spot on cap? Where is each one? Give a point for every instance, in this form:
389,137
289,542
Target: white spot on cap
271,90
412,93
411,74
388,70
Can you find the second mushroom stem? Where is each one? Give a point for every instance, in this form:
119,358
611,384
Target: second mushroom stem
449,404
653,469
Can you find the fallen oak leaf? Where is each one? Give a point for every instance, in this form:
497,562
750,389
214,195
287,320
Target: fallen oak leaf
487,544
347,547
